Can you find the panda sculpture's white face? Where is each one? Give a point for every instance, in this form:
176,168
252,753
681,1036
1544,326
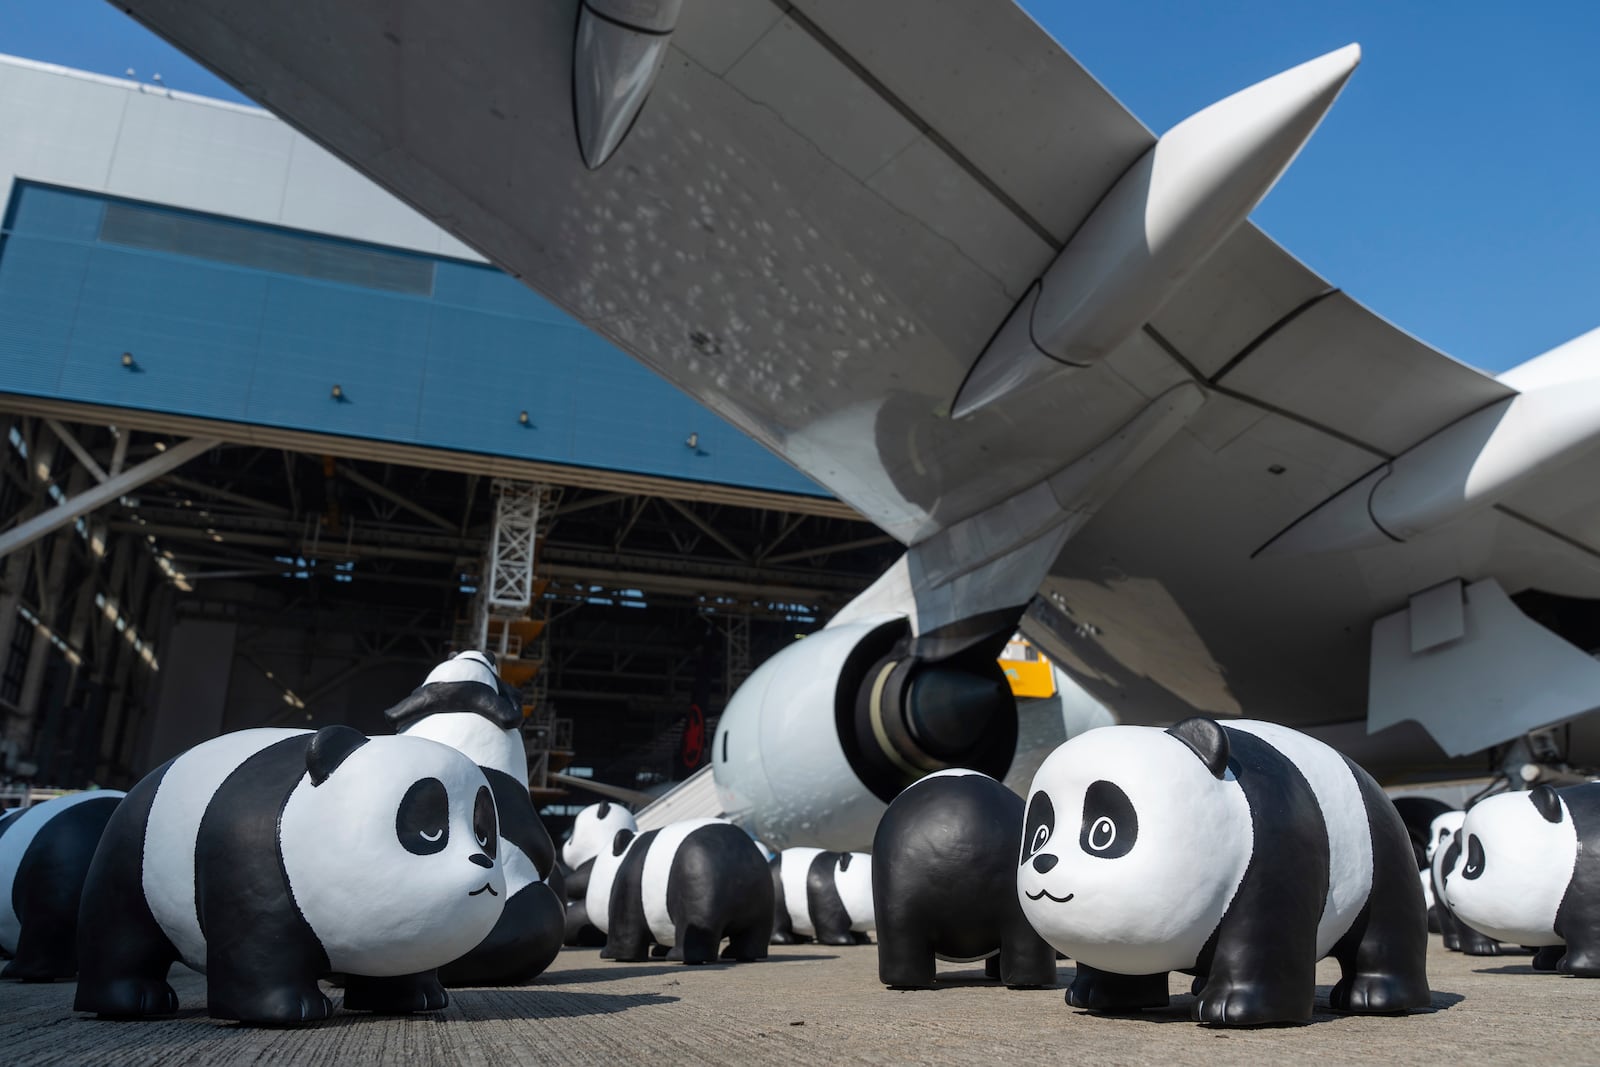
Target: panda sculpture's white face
1512,868
593,830
1131,850
393,859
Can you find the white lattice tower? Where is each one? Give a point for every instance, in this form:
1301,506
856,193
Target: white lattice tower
736,664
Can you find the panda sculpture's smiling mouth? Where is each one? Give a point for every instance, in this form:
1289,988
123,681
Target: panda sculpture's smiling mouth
487,888
1041,894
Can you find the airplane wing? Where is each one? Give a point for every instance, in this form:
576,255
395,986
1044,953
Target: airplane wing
821,218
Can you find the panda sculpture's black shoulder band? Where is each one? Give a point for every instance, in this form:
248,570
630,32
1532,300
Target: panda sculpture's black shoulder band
828,915
1208,740
628,935
262,957
1260,963
440,698
782,925
329,747
1578,917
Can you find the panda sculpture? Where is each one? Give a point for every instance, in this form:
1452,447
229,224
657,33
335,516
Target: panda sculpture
944,884
462,703
1525,868
268,858
1457,935
822,895
44,855
1239,854
593,830
685,887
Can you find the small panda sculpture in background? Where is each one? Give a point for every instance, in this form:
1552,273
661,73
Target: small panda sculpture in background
44,856
944,884
269,858
1525,868
1457,935
822,895
685,886
464,704
593,831
1241,854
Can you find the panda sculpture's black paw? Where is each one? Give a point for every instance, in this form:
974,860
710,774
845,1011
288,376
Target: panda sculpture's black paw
1379,994
127,998
1249,1004
784,939
286,1006
1580,964
400,995
1548,958
1114,994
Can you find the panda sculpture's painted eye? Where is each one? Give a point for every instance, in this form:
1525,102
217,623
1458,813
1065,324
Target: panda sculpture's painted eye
483,821
1475,858
1110,826
1039,824
423,822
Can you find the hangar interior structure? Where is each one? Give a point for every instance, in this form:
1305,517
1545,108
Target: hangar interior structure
273,445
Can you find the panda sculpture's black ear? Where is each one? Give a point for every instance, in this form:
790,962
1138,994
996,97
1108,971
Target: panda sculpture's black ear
605,809
1549,804
330,747
1208,740
619,844
844,860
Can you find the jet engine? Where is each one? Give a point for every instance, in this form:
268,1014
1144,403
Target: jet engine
823,735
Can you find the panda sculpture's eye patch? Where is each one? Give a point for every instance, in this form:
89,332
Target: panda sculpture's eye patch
483,821
1039,824
423,821
1110,826
1474,866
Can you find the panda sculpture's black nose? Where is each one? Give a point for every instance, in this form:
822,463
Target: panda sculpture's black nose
481,860
1043,863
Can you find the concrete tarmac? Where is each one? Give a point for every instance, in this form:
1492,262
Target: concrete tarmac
814,1005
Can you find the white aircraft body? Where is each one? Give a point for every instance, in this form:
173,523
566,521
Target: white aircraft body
917,250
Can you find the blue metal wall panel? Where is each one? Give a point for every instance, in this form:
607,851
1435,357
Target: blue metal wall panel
449,369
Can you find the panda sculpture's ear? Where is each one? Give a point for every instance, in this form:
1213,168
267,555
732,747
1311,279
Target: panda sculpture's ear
619,844
1208,740
844,860
605,809
1549,804
330,746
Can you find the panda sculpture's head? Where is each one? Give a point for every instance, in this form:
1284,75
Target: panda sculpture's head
1509,866
464,704
1134,841
391,847
593,831
1441,832
603,875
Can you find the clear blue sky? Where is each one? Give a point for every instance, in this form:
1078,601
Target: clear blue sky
1455,188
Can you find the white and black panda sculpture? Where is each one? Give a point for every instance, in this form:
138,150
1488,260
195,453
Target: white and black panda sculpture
268,858
822,895
1457,935
1239,854
685,887
944,884
44,856
1525,868
463,703
593,831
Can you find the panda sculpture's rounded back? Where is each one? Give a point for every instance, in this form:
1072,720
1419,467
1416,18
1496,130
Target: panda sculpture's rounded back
1525,868
593,831
463,703
1242,854
944,884
268,858
44,857
685,886
1457,935
822,895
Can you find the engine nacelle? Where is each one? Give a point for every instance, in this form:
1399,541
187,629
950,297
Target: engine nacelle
823,735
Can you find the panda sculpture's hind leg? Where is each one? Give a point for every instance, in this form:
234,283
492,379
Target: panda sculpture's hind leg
1026,960
1383,957
123,954
1578,916
1548,958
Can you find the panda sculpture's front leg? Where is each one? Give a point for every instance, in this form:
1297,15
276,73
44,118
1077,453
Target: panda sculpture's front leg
1116,993
398,995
